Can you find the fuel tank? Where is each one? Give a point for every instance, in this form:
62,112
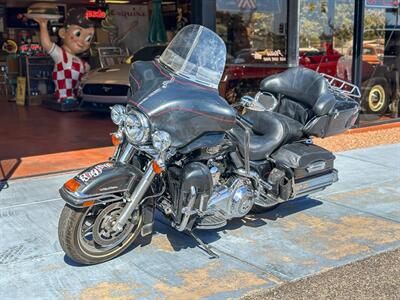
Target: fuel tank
184,109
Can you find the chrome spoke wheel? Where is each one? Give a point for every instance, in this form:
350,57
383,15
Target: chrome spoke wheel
96,235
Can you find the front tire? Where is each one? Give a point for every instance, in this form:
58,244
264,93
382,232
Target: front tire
73,227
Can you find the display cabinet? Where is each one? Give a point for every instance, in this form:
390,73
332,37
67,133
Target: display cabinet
38,72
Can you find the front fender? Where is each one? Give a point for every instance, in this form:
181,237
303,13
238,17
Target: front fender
101,183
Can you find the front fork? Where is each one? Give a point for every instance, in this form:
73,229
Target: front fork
135,198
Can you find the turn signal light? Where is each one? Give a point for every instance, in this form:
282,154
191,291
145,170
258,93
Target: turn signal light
156,167
115,140
88,203
72,185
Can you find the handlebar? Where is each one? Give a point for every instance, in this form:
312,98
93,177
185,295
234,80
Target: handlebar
245,101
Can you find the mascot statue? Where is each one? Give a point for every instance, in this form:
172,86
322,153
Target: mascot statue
69,69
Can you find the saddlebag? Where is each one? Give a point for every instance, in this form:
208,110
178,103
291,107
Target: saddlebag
304,159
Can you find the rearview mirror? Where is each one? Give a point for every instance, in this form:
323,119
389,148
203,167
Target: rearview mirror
266,100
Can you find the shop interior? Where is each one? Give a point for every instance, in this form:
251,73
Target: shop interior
29,126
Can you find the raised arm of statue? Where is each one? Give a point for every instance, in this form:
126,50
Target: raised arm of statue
45,40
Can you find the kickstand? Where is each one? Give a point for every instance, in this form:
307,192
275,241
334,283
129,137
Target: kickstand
204,247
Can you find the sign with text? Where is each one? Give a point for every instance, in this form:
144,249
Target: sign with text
21,90
382,3
96,14
269,56
132,22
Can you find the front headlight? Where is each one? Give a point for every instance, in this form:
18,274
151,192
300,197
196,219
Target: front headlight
136,128
161,140
117,114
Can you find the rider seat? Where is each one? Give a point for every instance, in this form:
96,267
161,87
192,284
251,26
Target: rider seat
269,131
304,87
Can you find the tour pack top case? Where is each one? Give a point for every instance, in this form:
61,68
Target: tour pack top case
313,101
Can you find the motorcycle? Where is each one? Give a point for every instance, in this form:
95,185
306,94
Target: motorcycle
183,150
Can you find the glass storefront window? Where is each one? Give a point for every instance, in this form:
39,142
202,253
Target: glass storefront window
380,63
326,36
254,31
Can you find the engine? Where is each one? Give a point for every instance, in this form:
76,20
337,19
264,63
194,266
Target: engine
234,199
220,195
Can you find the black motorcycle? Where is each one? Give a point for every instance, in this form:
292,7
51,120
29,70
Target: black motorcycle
184,150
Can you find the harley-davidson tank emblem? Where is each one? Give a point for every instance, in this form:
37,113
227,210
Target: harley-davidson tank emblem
94,172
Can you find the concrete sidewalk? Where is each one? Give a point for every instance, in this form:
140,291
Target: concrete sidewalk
357,217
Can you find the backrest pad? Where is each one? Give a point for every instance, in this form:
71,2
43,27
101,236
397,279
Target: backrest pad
304,86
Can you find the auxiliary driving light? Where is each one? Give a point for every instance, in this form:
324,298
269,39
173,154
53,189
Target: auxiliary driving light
117,114
161,140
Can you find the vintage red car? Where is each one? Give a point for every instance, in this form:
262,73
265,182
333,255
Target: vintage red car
322,61
240,79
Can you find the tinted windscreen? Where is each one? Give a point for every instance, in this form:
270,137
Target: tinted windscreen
197,54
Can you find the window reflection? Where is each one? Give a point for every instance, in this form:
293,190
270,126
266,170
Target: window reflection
379,62
326,45
326,36
253,34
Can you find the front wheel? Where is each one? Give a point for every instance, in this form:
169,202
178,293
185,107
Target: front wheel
86,234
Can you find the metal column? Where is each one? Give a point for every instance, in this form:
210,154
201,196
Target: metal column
358,41
204,13
293,33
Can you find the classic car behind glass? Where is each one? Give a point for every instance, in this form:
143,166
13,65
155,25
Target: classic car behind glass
107,86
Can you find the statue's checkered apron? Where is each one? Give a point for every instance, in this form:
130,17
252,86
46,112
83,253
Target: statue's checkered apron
67,73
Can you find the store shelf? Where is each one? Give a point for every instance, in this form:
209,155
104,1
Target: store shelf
42,97
34,68
37,65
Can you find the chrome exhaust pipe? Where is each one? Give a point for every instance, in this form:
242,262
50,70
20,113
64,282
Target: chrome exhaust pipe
316,184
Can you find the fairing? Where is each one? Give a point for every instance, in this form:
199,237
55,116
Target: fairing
178,92
184,109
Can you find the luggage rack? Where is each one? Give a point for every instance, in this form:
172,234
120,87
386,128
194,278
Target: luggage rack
342,88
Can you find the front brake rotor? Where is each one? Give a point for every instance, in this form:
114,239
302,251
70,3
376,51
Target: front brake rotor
103,234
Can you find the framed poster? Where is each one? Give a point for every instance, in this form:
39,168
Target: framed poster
21,90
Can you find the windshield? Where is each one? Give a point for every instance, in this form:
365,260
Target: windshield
198,54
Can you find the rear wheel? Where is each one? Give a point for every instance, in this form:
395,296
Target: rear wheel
86,234
376,97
